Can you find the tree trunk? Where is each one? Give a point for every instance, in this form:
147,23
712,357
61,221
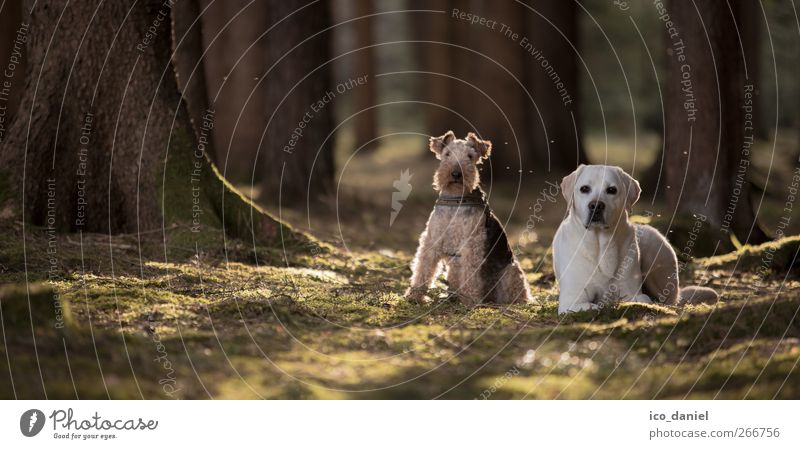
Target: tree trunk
436,57
708,136
496,104
750,28
235,62
297,151
365,124
554,79
187,29
106,144
12,61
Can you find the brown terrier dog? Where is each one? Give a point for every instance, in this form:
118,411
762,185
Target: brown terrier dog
463,234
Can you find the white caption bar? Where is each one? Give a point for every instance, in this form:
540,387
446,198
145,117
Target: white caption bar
400,424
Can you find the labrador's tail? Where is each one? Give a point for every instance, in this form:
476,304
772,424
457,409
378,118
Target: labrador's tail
698,295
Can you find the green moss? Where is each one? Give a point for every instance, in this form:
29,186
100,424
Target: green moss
199,204
778,256
338,327
34,306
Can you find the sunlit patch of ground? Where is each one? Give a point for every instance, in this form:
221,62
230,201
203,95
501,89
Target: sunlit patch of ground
336,326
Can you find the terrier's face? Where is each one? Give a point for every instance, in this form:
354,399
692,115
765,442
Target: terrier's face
458,169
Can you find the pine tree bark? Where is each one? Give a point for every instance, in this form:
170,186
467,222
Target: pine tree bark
435,56
12,61
496,104
296,153
709,134
103,141
750,29
187,29
365,124
235,62
555,84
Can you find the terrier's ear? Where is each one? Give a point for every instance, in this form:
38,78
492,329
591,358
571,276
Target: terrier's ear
483,147
568,184
632,189
437,144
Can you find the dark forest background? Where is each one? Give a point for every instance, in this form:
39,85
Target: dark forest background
260,65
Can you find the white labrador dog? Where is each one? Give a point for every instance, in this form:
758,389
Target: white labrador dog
600,256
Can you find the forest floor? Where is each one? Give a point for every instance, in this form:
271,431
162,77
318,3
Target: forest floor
174,317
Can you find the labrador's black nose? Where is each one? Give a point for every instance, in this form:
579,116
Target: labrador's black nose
456,174
597,206
596,209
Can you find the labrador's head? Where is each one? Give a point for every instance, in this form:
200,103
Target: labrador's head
600,195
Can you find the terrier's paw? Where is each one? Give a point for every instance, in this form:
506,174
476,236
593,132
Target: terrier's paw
468,300
417,295
453,296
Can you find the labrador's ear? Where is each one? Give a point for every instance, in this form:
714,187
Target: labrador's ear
632,189
437,144
483,147
568,184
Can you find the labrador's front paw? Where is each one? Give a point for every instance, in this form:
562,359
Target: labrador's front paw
578,307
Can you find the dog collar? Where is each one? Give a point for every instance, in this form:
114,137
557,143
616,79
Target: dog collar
472,199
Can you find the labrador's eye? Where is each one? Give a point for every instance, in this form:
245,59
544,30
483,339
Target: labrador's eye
611,190
470,156
586,189
447,153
